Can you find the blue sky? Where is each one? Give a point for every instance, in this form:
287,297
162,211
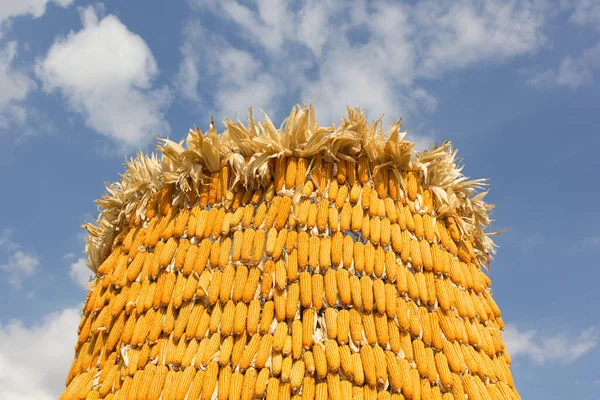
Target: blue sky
514,85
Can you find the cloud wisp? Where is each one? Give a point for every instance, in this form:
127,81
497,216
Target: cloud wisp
375,55
19,264
564,348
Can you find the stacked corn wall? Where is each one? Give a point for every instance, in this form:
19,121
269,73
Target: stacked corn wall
334,282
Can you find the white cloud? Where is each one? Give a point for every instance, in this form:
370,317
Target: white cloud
33,8
20,265
15,86
586,12
35,360
375,55
593,242
80,273
562,347
106,74
573,72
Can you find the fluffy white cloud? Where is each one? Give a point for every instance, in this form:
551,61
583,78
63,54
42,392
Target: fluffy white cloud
80,273
375,55
35,360
106,73
20,265
15,86
561,347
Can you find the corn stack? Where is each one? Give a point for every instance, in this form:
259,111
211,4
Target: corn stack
228,270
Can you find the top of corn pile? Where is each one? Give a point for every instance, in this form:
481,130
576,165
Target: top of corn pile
429,181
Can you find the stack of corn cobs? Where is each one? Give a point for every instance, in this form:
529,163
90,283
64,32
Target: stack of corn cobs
334,281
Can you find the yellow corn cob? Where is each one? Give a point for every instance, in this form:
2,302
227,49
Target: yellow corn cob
373,205
363,170
365,229
331,322
406,247
247,245
359,257
379,261
290,172
368,321
251,284
411,185
380,365
259,217
286,350
249,352
239,282
283,211
343,286
337,243
358,372
386,232
183,384
279,299
357,218
381,328
322,214
415,254
347,251
355,291
157,384
273,389
281,330
241,312
342,196
292,300
226,283
419,229
239,343
379,295
317,291
421,286
297,375
330,288
368,363
321,391
375,230
260,386
259,245
346,361
308,320
396,238
346,217
235,387
224,382
325,253
356,329
263,351
215,254
266,317
320,360
291,238
366,291
271,239
314,245
249,384
394,336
